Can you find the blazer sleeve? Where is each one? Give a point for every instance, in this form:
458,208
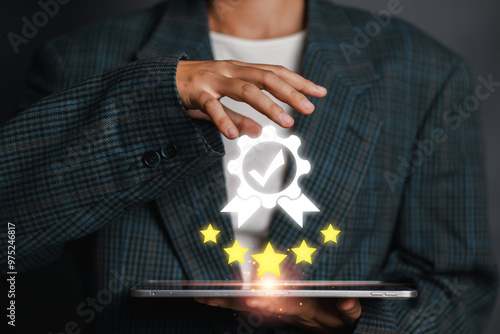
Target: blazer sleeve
75,160
442,242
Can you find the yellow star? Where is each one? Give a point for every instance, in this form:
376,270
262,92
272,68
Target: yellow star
236,252
330,234
303,252
210,234
269,261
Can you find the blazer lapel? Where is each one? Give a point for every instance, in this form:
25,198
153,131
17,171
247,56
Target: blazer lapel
338,139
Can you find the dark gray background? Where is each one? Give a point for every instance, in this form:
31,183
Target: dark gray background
471,28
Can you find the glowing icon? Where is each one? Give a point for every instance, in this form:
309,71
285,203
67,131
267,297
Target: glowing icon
269,261
210,234
304,252
236,252
278,161
249,200
330,234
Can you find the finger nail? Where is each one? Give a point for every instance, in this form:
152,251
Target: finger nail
307,105
232,132
286,119
321,89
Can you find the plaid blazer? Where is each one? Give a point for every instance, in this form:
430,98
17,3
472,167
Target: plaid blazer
395,149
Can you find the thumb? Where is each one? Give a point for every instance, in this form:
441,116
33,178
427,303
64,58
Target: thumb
349,309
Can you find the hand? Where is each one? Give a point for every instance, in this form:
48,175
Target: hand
202,83
320,315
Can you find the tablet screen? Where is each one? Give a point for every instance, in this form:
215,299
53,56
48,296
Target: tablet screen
361,289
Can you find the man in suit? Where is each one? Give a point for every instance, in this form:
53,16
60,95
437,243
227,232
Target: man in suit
122,151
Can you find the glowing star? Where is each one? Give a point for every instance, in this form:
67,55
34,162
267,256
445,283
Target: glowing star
210,234
330,234
236,252
303,252
269,261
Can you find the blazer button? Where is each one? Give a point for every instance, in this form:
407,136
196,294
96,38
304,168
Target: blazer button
151,159
168,151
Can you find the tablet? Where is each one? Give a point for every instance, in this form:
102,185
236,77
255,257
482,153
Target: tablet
327,289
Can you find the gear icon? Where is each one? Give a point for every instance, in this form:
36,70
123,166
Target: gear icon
290,199
245,144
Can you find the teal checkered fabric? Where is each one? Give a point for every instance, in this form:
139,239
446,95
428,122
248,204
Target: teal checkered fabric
395,150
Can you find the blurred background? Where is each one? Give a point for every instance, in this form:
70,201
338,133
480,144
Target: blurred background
470,28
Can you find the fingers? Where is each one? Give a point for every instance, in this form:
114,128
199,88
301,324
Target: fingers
244,91
295,80
279,88
311,311
289,306
349,309
217,114
263,304
198,114
321,315
245,125
302,312
201,84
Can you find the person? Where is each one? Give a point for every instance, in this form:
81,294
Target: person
119,153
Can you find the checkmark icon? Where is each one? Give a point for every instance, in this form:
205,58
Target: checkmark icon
278,161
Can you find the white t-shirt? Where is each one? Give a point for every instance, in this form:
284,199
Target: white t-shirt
285,51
